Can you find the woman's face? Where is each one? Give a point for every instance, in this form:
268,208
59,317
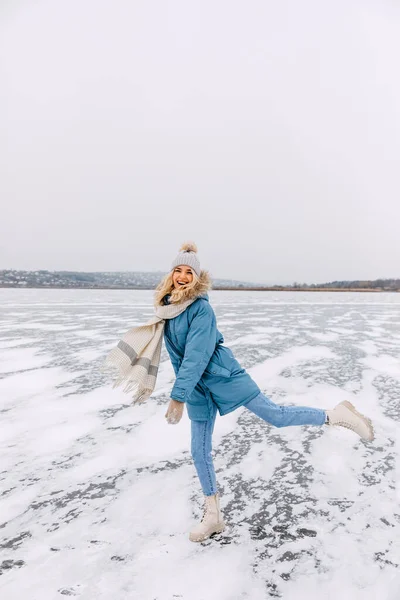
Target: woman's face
181,276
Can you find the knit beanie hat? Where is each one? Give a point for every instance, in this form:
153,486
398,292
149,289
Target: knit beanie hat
187,256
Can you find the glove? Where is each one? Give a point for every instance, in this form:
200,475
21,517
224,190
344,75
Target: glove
174,412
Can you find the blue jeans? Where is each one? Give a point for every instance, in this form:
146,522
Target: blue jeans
279,416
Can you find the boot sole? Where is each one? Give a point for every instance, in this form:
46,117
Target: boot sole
218,529
350,406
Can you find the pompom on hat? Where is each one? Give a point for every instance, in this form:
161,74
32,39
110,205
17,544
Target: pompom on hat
187,256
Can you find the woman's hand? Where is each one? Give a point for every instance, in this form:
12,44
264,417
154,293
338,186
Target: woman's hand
174,412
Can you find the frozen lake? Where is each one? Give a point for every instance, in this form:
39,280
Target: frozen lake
97,497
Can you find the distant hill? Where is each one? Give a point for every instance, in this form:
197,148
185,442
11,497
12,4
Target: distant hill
104,279
143,280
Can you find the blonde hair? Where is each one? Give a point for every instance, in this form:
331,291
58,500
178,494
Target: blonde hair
197,287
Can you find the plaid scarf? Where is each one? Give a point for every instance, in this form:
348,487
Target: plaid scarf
137,356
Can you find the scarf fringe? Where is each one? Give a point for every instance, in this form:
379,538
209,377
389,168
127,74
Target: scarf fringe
129,386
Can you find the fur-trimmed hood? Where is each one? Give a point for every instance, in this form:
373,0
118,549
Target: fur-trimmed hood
201,287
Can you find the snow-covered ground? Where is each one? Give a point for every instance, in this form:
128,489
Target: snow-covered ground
97,497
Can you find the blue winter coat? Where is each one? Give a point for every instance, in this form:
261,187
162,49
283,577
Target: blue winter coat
206,371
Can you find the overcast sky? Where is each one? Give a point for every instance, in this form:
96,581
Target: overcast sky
266,131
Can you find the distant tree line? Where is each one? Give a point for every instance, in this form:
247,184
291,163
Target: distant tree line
376,284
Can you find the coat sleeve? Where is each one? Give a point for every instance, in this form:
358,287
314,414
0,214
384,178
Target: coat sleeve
199,348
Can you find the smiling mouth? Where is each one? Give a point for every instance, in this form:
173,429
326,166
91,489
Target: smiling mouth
181,282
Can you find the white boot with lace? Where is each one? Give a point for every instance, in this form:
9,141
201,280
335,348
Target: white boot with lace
212,521
345,415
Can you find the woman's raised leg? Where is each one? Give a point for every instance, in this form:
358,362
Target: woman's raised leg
284,416
343,415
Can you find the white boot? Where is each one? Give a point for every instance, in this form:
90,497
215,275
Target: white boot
212,521
345,415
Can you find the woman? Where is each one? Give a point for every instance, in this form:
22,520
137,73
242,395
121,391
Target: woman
208,377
